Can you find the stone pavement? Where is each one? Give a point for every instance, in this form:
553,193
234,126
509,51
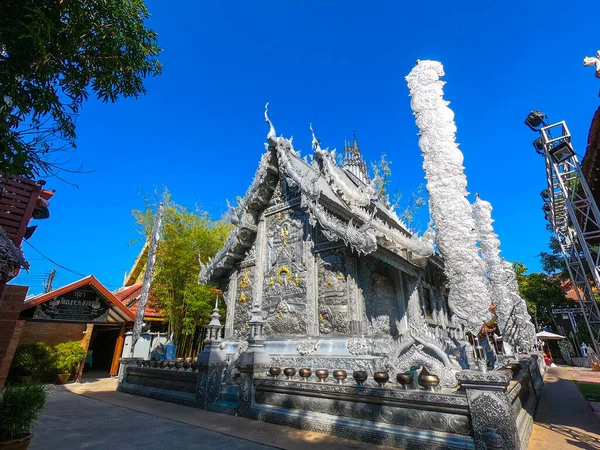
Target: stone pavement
101,418
73,421
94,416
563,419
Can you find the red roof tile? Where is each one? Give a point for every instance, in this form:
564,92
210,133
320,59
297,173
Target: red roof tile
569,290
130,296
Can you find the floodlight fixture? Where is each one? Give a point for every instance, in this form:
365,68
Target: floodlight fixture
545,194
546,208
538,144
562,152
40,212
29,231
536,119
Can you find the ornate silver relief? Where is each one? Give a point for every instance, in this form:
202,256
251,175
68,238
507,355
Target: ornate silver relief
307,346
415,356
359,346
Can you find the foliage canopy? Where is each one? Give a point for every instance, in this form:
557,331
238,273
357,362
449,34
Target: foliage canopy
20,406
52,55
186,236
381,173
541,292
32,359
68,356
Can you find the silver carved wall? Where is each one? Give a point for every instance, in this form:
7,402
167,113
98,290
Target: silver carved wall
285,272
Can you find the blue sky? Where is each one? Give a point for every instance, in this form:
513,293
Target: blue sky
199,131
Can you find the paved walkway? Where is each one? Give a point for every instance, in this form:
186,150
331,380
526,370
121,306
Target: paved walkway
94,416
101,418
73,421
564,420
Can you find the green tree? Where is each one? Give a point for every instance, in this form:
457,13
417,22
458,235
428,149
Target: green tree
553,262
381,173
541,293
583,332
52,55
186,236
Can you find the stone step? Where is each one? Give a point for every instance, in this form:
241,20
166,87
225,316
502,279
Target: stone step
224,407
229,397
165,395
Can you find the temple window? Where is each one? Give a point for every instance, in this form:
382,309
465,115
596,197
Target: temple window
427,301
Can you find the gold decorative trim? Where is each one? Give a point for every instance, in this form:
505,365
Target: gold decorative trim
287,273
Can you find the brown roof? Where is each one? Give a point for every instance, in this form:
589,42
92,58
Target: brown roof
130,295
569,290
117,314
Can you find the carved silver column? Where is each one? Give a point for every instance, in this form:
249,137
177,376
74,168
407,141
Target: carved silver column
492,415
312,298
413,311
356,303
211,362
261,248
231,304
402,302
254,359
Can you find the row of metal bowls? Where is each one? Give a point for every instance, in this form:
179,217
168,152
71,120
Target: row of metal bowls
360,376
179,363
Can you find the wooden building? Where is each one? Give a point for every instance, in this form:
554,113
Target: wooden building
84,311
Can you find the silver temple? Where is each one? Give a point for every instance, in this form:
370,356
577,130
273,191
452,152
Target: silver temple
334,271
322,279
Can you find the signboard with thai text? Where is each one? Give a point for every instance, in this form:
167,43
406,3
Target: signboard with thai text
80,305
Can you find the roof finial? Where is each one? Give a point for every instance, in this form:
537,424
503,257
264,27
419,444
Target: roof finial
593,61
316,144
271,136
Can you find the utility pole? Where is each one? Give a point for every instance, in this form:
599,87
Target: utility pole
139,318
48,282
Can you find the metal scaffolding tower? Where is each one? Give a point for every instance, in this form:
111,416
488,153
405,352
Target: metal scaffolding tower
572,211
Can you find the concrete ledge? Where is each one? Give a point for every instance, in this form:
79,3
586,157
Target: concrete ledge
377,433
169,379
166,395
224,407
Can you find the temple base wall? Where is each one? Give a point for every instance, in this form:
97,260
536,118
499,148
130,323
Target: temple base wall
492,410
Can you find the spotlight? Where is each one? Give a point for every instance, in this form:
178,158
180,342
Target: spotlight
545,194
29,231
535,120
538,144
41,212
546,208
562,152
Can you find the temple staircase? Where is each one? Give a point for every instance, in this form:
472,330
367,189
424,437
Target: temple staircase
229,400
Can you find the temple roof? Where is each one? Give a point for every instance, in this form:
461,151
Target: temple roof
117,312
130,296
354,162
345,207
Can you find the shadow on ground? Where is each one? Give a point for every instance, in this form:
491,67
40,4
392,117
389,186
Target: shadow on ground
563,417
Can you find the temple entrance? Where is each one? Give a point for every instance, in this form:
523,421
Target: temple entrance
83,311
101,350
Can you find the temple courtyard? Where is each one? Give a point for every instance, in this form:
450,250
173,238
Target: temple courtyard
93,415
